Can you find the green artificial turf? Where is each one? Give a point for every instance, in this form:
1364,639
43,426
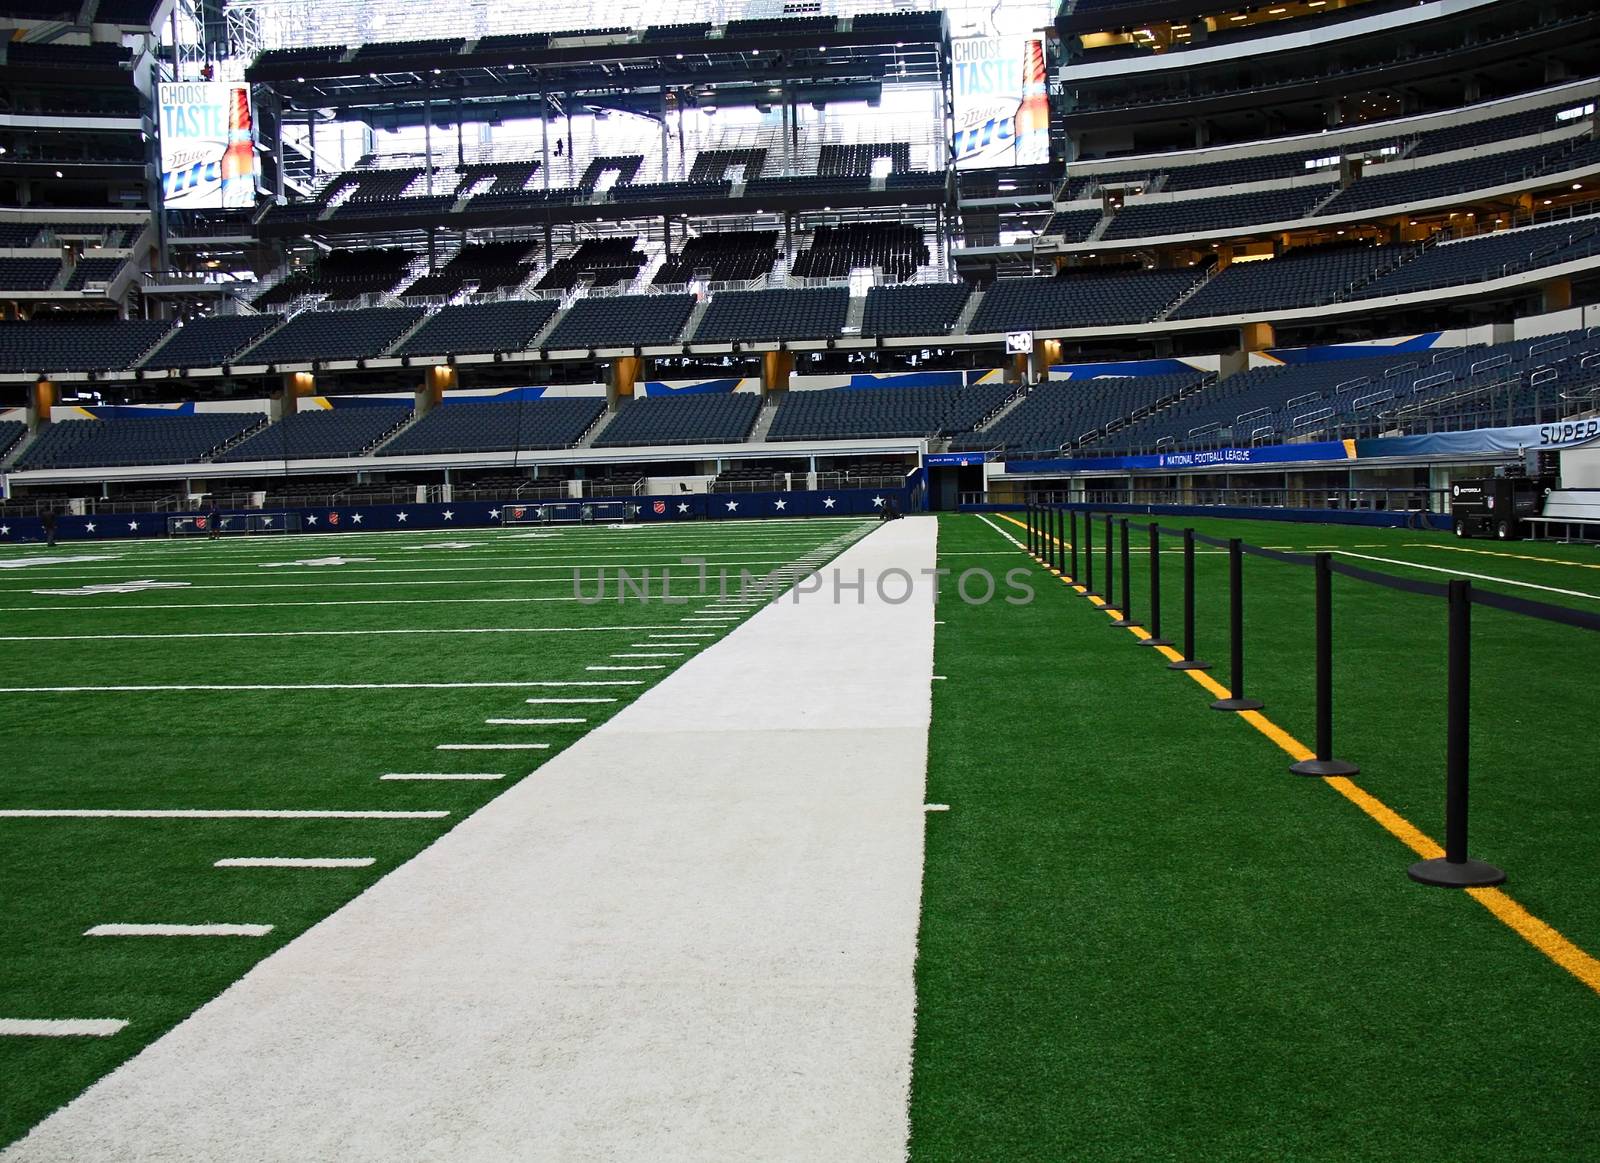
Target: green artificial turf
321,749
1143,938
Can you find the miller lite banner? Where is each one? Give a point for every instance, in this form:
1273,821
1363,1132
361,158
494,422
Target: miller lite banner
1002,113
208,157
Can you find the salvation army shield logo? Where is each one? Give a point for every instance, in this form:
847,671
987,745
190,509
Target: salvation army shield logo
658,507
518,513
333,518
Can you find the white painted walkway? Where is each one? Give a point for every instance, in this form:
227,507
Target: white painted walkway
690,936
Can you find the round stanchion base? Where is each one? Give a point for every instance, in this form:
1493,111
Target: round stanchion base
1447,874
1090,594
1237,705
1155,642
1121,623
1188,664
1321,767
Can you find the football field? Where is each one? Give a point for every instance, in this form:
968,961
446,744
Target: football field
1140,935
1143,937
210,746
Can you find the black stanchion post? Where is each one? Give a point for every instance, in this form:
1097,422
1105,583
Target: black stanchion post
1029,515
1236,700
1127,596
1088,554
1324,763
1155,638
1054,552
1189,661
1072,517
1061,541
1111,545
1455,869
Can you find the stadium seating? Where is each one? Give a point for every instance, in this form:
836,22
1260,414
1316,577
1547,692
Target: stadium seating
157,440
43,346
322,335
708,418
887,411
917,309
1085,298
1058,414
626,167
606,261
1487,257
11,432
1394,189
712,165
770,315
499,426
93,270
1299,278
897,249
1071,225
210,341
1145,219
322,433
28,274
492,266
621,321
730,256
836,161
480,327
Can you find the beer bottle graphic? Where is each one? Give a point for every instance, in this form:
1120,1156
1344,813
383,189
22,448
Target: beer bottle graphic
238,160
1033,112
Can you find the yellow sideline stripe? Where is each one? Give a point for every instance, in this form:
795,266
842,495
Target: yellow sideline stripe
1501,553
1501,904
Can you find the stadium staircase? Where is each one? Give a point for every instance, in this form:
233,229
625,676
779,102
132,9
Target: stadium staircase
853,316
1005,409
964,320
695,316
1193,289
600,425
764,419
1100,228
15,454
1336,189
409,332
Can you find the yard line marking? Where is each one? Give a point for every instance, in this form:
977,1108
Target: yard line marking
491,747
592,682
1505,581
531,722
654,645
663,655
473,775
296,862
212,814
936,807
130,608
1505,908
315,686
320,633
60,1027
542,702
122,930
650,667
687,634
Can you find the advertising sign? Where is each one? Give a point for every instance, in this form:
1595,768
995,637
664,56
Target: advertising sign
207,145
1002,115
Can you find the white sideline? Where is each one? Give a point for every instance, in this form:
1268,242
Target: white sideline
493,747
692,937
60,1027
530,722
547,702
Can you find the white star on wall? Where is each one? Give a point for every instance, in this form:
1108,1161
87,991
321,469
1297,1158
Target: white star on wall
133,526
733,506
683,506
401,516
448,515
780,505
311,520
494,514
89,528
877,502
355,518
827,502
4,529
